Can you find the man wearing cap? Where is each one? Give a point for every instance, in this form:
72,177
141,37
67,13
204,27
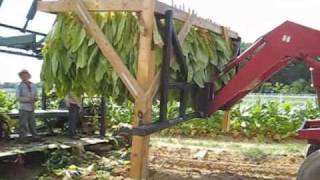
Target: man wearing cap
26,94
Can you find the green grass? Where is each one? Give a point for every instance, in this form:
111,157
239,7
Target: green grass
255,153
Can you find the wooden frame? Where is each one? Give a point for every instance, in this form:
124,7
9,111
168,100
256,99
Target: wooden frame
226,121
144,87
131,5
178,14
91,5
107,49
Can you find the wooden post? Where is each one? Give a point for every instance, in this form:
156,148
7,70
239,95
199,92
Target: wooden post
226,121
143,106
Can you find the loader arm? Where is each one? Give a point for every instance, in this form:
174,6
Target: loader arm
277,49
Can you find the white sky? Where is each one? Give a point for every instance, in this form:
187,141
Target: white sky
250,18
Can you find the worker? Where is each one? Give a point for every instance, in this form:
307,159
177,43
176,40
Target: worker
73,104
26,94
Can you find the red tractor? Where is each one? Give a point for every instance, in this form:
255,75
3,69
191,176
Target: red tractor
286,44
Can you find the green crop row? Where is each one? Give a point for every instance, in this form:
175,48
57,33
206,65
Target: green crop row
268,120
271,120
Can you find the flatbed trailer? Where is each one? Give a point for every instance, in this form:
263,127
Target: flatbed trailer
11,150
55,113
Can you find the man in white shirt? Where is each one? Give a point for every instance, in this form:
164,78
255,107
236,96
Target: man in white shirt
27,95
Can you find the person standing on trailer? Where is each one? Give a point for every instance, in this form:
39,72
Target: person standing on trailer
27,96
73,104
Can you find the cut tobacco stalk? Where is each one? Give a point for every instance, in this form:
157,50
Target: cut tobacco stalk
73,62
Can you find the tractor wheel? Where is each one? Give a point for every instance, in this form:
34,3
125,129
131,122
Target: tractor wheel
312,148
310,168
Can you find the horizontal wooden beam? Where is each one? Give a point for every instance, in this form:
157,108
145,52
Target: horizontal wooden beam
92,5
131,5
181,15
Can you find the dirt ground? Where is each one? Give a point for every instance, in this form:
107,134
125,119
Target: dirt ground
224,161
188,159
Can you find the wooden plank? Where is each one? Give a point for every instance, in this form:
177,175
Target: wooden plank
178,14
13,149
186,28
143,106
131,5
226,37
92,5
226,121
41,114
107,49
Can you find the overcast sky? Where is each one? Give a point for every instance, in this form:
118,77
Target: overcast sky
250,18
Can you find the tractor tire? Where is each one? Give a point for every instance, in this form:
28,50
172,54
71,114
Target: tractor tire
312,148
310,168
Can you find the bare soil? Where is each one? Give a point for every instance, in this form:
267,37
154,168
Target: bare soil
179,163
189,159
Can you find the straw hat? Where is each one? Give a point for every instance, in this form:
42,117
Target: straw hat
23,71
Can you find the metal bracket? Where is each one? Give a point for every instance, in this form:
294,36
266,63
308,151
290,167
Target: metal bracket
21,42
202,95
23,45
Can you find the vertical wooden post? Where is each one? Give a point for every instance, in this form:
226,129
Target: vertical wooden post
226,121
143,106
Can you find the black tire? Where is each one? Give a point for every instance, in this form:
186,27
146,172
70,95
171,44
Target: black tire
312,148
310,168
